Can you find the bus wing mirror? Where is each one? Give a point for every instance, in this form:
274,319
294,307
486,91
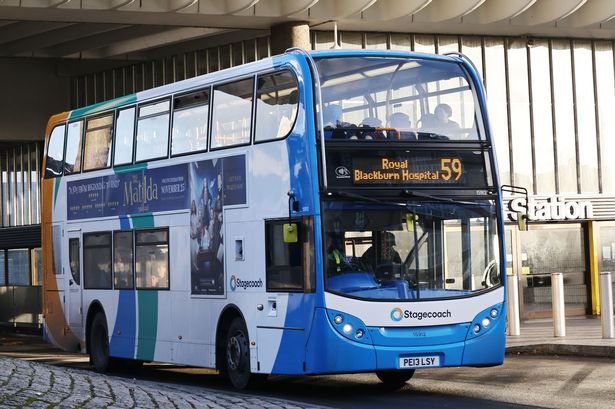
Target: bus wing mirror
291,233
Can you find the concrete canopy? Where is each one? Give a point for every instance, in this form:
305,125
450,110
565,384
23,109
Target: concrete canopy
130,29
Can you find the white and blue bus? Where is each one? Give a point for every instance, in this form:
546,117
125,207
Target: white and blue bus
310,213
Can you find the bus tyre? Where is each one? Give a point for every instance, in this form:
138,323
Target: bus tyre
99,343
395,379
237,354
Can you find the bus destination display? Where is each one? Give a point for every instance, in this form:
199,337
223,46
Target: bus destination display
387,170
409,168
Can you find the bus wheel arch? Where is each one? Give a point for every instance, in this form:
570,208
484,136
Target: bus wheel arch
227,316
97,338
95,308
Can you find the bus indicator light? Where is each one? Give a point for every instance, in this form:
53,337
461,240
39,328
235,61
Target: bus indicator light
338,319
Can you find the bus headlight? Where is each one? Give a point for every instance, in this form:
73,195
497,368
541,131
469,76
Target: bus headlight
494,313
349,326
476,328
486,322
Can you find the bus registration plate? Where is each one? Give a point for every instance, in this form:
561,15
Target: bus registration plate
419,361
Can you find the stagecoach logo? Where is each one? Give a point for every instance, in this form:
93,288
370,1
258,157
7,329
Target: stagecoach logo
236,283
397,314
342,172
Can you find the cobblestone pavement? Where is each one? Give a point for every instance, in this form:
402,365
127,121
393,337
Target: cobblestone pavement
36,385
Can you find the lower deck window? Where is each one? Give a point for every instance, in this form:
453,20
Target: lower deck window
97,260
152,258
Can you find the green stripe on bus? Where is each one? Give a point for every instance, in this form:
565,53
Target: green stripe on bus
129,168
56,189
142,221
103,106
148,324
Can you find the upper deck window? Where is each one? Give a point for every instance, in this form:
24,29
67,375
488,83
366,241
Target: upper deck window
97,153
374,98
124,136
72,161
276,105
190,118
55,152
153,131
232,113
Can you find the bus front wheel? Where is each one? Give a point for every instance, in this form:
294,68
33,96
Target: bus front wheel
395,379
237,354
99,343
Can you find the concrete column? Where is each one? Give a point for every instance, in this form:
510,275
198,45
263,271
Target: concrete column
291,34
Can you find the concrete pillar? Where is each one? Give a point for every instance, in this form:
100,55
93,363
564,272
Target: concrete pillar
288,35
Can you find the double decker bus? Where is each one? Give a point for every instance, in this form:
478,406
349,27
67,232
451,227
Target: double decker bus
310,213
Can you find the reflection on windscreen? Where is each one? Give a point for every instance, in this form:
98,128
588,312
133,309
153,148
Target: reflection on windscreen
427,250
371,98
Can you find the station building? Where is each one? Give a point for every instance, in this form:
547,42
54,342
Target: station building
548,67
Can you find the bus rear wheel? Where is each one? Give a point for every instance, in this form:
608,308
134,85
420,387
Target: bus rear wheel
99,343
237,354
395,379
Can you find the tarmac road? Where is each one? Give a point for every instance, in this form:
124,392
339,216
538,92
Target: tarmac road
523,381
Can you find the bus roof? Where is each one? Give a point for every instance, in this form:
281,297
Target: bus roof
231,73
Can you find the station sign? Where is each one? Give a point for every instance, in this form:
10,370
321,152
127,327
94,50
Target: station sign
561,208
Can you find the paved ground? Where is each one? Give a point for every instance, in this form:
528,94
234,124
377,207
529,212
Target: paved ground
583,338
37,385
34,374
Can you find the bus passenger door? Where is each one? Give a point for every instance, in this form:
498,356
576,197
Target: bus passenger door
74,309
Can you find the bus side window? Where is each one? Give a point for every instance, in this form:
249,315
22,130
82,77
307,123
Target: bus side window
190,115
97,260
276,105
72,162
55,152
124,136
289,265
232,113
152,259
153,131
123,276
97,150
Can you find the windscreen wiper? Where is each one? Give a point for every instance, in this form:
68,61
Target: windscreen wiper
414,193
369,199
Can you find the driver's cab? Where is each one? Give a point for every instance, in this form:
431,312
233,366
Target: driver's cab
439,251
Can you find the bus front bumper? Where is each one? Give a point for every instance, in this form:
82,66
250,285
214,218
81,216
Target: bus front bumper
333,348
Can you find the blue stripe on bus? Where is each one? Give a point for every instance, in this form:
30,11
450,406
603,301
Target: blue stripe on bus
123,337
124,223
148,324
287,360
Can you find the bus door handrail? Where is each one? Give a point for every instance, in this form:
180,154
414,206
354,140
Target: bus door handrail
321,124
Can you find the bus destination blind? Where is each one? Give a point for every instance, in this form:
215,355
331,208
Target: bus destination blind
438,168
